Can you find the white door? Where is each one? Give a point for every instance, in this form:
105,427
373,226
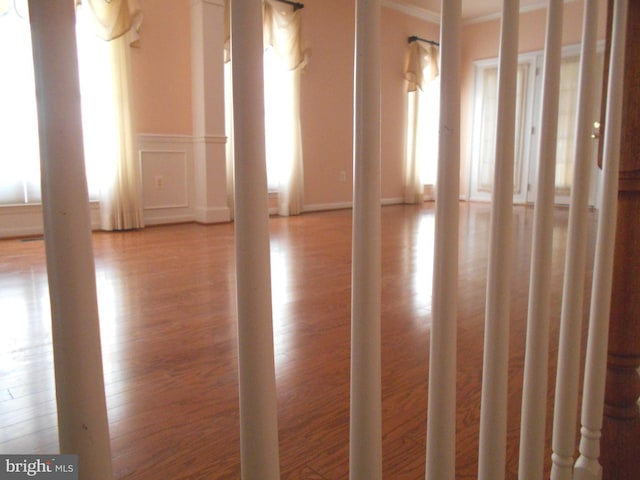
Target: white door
528,101
484,136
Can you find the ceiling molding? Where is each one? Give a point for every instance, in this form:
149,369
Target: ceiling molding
412,11
498,15
434,17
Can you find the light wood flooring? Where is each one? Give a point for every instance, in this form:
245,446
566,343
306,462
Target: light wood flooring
167,307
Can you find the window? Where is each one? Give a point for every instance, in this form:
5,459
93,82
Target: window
19,151
19,147
428,128
423,119
284,58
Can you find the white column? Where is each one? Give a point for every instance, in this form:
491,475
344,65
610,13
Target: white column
82,414
441,414
365,445
534,395
207,73
568,374
588,466
258,406
493,419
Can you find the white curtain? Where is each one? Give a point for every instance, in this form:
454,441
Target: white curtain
423,93
118,22
285,58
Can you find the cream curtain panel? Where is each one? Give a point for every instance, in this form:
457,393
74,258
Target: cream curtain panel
421,69
118,22
282,30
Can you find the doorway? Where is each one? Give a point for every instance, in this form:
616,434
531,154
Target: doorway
528,111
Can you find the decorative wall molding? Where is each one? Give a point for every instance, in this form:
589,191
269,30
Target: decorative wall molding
166,173
211,139
413,11
434,17
165,179
498,15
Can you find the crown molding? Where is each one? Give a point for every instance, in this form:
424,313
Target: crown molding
413,11
434,17
498,15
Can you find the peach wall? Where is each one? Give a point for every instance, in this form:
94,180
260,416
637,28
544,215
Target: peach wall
327,99
162,84
161,69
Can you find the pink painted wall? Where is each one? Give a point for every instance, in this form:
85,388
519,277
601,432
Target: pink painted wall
161,69
162,84
327,99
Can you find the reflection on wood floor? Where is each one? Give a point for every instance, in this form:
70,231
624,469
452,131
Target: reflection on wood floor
168,326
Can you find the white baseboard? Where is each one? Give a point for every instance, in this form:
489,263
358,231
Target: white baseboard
26,220
213,215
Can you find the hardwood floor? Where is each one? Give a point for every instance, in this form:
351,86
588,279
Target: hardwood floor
167,307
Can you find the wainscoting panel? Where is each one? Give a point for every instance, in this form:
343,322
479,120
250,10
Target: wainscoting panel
166,171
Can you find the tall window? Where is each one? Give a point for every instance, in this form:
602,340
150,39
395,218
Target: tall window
428,128
19,151
284,58
423,107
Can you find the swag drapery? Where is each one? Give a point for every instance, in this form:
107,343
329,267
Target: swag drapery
420,71
282,31
118,22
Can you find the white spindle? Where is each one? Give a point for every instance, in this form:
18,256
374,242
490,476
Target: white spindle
534,395
441,414
82,413
493,419
568,373
258,408
365,461
588,466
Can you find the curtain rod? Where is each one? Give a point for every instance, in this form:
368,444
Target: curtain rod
295,5
414,38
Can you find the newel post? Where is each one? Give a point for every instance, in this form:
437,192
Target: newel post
621,426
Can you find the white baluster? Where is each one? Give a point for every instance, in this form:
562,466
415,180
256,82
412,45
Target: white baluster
493,419
258,408
365,459
441,414
588,466
568,373
534,395
83,428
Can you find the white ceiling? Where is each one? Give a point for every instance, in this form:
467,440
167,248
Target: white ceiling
471,9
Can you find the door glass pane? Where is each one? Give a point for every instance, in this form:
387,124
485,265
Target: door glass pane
567,106
488,125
